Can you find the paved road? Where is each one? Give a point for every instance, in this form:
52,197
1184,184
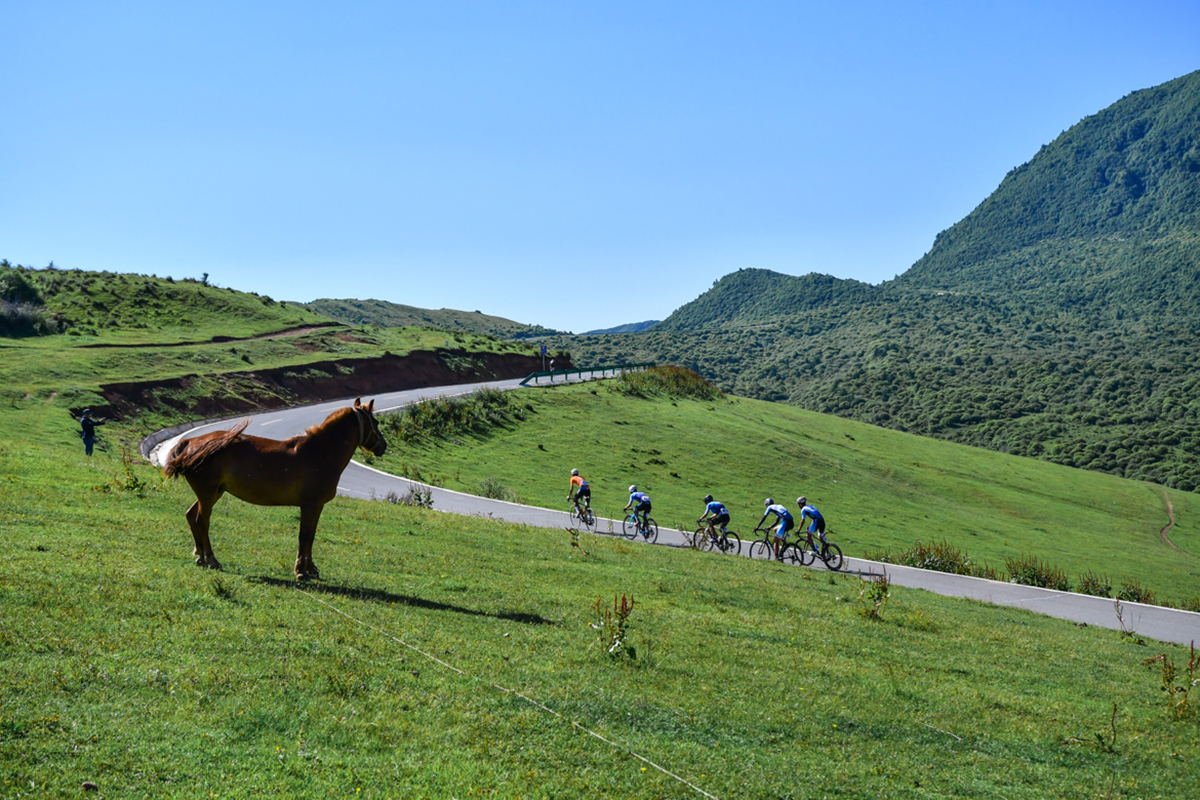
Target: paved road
361,481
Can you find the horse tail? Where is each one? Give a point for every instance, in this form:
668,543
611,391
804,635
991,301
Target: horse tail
191,453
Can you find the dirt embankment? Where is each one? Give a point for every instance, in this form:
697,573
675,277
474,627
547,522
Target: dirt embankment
253,390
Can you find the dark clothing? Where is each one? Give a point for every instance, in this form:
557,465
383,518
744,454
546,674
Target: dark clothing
720,520
88,433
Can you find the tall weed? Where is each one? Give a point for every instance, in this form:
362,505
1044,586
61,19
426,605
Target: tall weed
938,556
1029,570
667,381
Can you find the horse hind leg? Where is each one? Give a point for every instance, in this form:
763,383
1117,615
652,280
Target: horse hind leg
306,569
198,517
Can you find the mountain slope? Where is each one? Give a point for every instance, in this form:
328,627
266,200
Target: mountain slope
395,315
1060,319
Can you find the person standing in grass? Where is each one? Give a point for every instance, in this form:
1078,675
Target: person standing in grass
579,490
88,432
783,518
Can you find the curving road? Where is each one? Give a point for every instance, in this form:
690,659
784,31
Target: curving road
363,482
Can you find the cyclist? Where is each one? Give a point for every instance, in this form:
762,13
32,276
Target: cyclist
579,491
716,514
784,521
640,503
818,521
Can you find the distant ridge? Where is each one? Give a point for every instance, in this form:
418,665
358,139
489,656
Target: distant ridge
631,327
395,315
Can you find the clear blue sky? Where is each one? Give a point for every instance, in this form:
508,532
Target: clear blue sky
573,164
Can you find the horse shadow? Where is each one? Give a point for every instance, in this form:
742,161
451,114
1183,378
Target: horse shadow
381,596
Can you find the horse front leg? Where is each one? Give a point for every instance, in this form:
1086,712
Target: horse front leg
198,517
309,517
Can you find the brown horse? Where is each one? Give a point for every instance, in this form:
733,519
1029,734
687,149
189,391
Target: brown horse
303,471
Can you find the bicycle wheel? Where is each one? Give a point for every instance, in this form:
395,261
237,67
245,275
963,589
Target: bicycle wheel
651,533
701,540
792,555
589,519
833,556
574,516
630,527
734,548
761,548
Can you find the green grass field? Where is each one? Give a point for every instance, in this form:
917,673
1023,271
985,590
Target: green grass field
880,489
123,664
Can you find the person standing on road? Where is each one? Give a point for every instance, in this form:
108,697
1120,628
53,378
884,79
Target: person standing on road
88,432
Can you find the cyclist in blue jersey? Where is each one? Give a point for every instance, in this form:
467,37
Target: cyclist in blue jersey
818,521
783,519
717,516
640,503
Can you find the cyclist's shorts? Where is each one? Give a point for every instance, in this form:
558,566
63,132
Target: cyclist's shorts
818,525
720,520
584,491
785,525
642,507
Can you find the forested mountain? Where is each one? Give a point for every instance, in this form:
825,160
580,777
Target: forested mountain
1060,319
395,315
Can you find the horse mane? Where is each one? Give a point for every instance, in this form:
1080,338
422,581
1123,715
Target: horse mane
191,453
332,418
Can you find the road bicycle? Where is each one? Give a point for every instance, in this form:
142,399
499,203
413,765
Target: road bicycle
633,525
728,542
789,553
828,552
583,515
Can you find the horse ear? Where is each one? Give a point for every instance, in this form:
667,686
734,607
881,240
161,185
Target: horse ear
357,402
371,405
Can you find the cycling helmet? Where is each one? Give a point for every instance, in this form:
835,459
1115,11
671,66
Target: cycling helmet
574,472
708,498
768,502
632,489
802,501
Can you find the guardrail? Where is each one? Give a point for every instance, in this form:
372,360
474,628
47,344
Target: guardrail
594,372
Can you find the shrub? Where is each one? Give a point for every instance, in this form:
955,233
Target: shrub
674,382
25,319
939,556
495,488
445,417
1093,584
1133,592
874,596
1031,571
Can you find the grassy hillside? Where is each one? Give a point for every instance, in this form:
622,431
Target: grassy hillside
128,308
123,664
394,315
1058,320
880,489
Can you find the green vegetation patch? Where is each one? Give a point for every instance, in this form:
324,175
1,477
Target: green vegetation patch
123,664
667,381
880,490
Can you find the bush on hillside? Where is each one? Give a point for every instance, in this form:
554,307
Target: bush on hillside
444,417
1133,591
1093,584
939,556
1031,571
667,381
25,319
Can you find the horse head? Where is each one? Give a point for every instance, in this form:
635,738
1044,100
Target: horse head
369,436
